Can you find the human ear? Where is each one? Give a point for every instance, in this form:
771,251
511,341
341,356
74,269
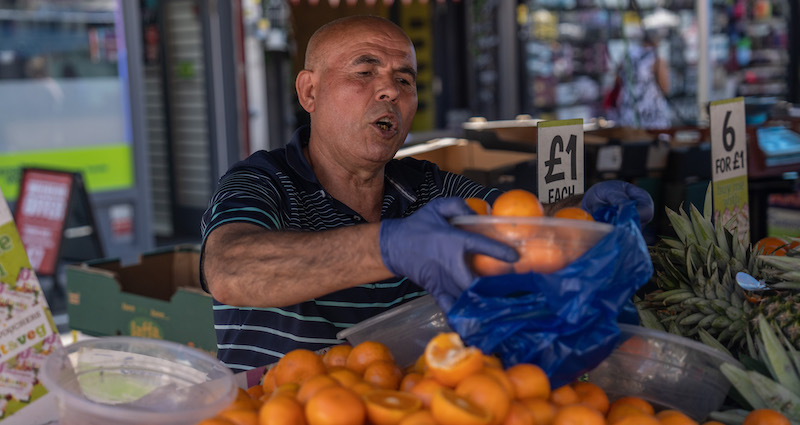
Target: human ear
304,84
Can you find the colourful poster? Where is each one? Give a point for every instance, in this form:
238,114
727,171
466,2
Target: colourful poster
27,331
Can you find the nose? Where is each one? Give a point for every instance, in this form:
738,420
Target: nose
387,89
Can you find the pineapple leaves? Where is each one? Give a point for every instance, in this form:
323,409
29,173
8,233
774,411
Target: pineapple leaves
779,362
708,205
740,379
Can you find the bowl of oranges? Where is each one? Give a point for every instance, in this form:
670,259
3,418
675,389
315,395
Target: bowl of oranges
545,244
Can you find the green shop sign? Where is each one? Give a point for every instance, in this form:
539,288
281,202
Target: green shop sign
103,167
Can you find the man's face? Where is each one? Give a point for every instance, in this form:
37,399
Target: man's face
366,94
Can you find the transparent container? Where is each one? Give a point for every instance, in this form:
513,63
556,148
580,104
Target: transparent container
405,329
545,244
131,380
668,370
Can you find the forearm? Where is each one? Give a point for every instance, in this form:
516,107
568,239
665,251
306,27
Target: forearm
245,265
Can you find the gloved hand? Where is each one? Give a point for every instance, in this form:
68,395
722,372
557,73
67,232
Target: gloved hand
430,251
615,192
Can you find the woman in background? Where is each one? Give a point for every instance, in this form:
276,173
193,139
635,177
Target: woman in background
645,80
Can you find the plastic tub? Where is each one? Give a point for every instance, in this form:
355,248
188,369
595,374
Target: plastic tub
405,329
130,380
545,244
668,370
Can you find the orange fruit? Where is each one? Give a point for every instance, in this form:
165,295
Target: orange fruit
542,410
389,407
345,377
409,380
240,416
243,403
541,256
573,213
288,389
578,414
639,418
365,353
564,395
622,411
518,414
383,374
478,205
592,396
765,417
490,360
335,406
528,381
281,410
448,408
517,203
487,392
297,366
425,390
484,265
255,392
419,365
215,421
771,245
449,361
420,417
637,402
501,377
361,388
313,385
268,381
674,417
336,356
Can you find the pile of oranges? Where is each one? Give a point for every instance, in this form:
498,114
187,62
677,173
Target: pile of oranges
542,255
450,384
772,245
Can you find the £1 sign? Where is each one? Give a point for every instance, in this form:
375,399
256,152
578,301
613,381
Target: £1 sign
559,159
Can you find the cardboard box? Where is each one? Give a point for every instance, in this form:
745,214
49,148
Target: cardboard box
158,297
489,167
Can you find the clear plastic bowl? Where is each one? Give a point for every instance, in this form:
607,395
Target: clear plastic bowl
545,244
131,380
668,370
405,329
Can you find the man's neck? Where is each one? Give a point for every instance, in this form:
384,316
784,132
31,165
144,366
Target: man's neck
360,189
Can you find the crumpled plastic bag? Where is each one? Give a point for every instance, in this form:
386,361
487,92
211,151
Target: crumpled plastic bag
566,321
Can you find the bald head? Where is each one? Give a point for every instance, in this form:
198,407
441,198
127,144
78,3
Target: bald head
334,30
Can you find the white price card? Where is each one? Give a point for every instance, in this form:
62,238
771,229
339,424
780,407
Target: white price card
729,165
560,159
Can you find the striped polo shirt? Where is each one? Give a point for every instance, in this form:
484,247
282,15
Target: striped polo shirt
278,190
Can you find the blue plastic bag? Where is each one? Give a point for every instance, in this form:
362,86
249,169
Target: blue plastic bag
566,321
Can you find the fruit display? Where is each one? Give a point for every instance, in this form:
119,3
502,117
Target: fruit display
450,384
697,290
545,244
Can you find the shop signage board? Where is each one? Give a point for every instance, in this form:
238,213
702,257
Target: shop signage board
729,165
560,155
53,210
27,331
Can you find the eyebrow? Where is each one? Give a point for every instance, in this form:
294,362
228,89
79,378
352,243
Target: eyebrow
372,60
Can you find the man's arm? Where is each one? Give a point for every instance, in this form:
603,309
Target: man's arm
246,265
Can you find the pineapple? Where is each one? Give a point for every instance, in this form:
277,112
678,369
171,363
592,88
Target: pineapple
698,295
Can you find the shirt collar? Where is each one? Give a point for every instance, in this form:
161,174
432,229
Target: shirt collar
295,157
401,177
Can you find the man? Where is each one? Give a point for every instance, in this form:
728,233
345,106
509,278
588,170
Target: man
302,242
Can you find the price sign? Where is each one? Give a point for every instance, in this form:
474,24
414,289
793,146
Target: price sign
560,159
729,164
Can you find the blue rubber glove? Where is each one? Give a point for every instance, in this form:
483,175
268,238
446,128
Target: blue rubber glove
430,251
615,192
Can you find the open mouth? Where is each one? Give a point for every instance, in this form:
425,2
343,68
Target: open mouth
384,124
